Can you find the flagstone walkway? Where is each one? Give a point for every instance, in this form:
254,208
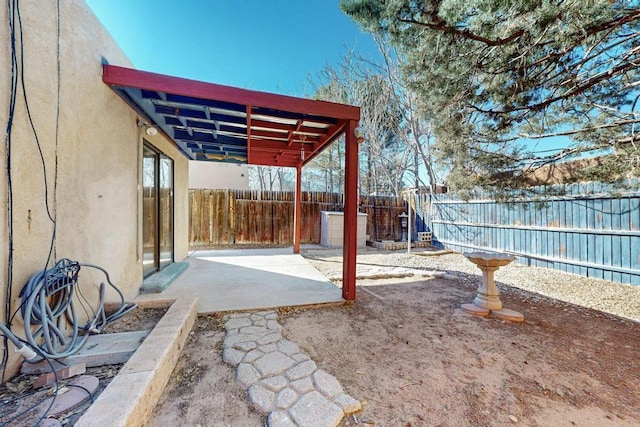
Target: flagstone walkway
281,381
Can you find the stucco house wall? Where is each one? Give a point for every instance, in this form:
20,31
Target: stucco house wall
92,153
218,175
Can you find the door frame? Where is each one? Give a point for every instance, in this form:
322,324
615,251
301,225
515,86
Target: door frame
159,155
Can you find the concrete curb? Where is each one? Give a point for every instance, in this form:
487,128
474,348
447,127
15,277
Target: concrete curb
131,396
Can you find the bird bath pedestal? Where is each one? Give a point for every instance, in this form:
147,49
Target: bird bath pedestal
488,300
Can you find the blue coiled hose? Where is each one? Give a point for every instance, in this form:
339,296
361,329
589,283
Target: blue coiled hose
47,302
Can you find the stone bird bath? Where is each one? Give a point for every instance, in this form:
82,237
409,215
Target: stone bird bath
488,298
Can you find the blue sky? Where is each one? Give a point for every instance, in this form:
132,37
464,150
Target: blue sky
267,45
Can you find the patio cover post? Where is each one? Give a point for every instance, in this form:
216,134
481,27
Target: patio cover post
350,244
297,215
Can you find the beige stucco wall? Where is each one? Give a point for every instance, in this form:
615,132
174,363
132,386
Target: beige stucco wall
218,175
92,161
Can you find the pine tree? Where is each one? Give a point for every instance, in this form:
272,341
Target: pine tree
505,83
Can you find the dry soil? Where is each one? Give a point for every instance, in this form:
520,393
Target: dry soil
413,358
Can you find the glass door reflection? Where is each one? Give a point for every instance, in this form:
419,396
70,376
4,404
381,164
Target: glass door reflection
157,210
166,211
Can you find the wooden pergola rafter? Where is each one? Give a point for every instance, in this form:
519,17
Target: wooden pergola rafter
211,122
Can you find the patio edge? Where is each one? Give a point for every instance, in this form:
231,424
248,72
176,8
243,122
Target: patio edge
131,396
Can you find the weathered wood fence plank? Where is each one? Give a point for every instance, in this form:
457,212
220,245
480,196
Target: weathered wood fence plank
226,217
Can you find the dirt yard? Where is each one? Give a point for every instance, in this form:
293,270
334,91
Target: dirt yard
22,405
413,358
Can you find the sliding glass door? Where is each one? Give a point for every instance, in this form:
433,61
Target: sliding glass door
157,215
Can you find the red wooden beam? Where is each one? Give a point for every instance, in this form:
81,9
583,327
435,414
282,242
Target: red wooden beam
283,137
350,243
332,135
271,145
121,76
284,129
248,110
297,216
274,159
298,126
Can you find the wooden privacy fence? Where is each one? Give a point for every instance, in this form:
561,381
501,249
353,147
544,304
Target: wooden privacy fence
227,217
593,230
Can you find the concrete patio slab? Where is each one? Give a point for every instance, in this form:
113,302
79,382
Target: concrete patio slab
250,279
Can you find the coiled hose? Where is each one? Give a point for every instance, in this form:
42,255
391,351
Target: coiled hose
47,301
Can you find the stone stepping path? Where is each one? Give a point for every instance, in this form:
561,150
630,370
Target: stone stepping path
281,381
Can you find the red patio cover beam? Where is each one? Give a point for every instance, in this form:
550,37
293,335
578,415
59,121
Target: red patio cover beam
283,137
275,146
122,76
284,129
333,133
248,110
350,243
297,216
273,159
298,126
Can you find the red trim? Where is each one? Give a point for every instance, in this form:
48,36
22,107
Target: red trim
291,132
249,145
284,129
332,134
271,145
279,137
350,244
297,226
264,159
121,76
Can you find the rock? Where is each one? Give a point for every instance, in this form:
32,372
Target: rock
233,340
327,384
245,346
236,315
269,339
232,356
261,314
275,383
257,331
348,404
280,419
269,348
237,323
246,374
273,325
302,370
261,398
303,385
286,398
287,347
80,390
314,410
252,356
273,363
300,357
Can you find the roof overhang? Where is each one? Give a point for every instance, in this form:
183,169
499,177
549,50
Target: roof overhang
222,123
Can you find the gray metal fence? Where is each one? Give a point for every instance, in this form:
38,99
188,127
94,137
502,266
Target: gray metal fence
592,230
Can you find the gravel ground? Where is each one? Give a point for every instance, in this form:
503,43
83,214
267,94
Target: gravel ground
618,299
